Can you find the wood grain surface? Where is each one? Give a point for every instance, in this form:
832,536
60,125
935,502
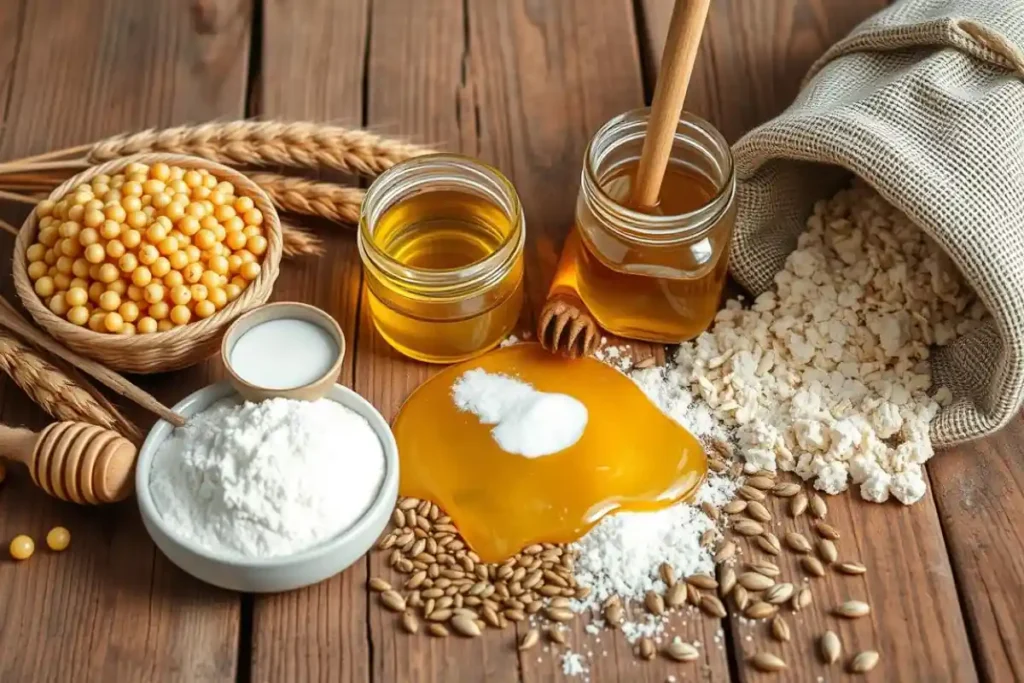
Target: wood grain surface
522,84
979,492
111,605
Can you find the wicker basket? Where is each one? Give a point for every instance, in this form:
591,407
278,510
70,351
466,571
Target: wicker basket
161,351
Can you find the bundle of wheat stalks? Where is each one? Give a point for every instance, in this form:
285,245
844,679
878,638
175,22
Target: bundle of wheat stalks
250,146
261,149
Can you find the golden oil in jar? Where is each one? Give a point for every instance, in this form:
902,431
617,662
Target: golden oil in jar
656,274
441,230
441,239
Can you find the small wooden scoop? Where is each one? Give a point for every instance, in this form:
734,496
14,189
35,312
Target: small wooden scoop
566,326
74,461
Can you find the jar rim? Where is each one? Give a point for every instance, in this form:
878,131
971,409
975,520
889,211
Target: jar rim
390,187
653,226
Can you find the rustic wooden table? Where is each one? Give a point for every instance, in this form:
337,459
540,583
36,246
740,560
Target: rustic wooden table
523,84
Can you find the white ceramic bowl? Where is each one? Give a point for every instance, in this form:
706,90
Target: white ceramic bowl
277,574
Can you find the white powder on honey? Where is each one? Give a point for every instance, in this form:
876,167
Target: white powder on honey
526,422
267,479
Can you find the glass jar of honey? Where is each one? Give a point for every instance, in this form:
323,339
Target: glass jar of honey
441,242
652,273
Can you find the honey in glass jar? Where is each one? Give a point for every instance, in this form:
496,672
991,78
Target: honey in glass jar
651,273
441,241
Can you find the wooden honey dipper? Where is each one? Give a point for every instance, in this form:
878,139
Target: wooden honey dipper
74,461
565,325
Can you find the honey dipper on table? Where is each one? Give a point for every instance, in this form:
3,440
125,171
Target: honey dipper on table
565,325
74,461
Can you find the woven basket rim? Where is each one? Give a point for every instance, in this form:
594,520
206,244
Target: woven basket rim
198,332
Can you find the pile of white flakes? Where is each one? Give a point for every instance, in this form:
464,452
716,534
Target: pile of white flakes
827,375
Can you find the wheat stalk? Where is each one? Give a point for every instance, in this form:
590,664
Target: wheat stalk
312,198
56,392
300,144
299,242
297,195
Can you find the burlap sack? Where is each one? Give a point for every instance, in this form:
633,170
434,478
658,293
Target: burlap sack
925,102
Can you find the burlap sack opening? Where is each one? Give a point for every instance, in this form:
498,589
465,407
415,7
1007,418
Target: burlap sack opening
925,102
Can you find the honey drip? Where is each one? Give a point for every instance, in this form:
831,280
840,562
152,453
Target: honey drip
663,294
631,456
443,231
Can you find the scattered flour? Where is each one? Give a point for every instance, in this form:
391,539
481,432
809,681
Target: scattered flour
526,422
668,389
622,554
572,664
614,356
267,479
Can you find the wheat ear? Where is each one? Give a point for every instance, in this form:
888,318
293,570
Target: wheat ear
300,242
299,144
300,195
56,392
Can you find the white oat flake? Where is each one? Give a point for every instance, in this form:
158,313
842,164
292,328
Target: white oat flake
827,374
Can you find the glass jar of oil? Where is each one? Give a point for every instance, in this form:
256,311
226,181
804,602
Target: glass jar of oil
441,241
652,273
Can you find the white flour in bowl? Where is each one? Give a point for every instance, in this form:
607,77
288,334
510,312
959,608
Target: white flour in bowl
267,479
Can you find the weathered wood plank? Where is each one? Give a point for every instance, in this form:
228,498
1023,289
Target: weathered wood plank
752,59
915,621
544,77
753,54
417,53
979,490
312,68
112,606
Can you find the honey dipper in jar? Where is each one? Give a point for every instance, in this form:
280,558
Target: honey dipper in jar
648,253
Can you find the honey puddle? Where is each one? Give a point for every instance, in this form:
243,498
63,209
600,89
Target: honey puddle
631,456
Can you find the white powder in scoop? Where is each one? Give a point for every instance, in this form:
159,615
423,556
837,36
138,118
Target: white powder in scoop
265,355
526,422
267,479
